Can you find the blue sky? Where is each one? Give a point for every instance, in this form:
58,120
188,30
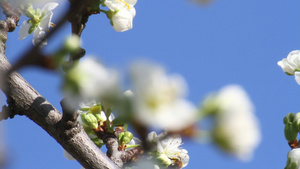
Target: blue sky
227,42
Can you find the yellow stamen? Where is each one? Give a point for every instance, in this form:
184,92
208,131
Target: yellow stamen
126,4
52,25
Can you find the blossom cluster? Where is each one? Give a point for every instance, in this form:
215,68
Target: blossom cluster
157,101
165,149
121,14
291,66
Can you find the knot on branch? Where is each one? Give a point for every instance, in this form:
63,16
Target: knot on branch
132,155
12,15
6,113
11,24
9,111
67,129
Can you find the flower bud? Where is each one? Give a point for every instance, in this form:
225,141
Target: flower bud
288,118
125,137
99,117
293,161
120,137
290,132
290,129
96,109
90,120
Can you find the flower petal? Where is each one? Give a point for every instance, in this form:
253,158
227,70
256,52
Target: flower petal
23,32
49,7
38,35
297,77
46,22
122,21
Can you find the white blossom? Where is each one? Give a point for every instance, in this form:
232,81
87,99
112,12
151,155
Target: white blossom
167,149
123,13
91,80
72,43
291,64
121,4
122,21
158,99
35,2
237,129
293,159
144,163
40,28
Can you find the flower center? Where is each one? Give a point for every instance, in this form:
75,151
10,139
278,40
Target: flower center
126,4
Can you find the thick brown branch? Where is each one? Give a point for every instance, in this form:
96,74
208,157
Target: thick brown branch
30,103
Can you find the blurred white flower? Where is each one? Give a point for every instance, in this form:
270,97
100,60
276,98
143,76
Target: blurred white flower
90,80
293,161
72,43
39,25
237,129
123,13
128,93
167,149
158,99
35,2
291,64
144,163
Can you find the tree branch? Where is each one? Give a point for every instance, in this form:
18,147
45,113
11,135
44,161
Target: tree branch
25,100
